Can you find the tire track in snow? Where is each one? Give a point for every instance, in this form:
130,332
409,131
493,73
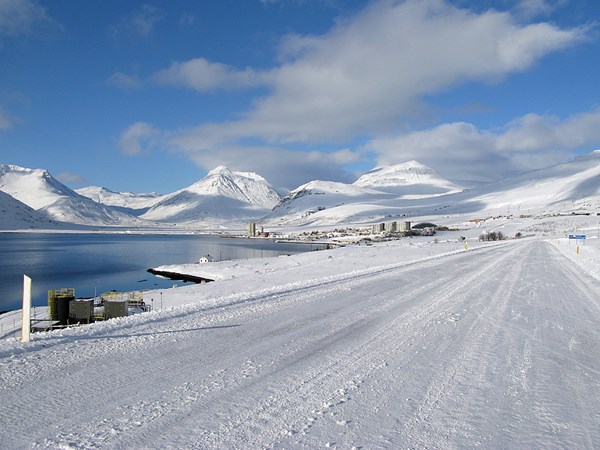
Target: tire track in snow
305,380
510,371
111,429
467,366
329,377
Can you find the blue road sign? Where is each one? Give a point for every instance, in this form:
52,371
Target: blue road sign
577,236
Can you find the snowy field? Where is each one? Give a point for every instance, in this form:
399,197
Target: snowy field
408,344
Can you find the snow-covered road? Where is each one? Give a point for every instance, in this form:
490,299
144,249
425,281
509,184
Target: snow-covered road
495,348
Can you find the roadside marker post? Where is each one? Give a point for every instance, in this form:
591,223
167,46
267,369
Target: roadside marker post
26,318
577,237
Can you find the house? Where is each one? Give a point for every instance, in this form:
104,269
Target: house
206,259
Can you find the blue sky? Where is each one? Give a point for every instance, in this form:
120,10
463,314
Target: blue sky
148,96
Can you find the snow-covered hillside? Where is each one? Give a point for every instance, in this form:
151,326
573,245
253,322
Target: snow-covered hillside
16,215
570,187
38,189
408,180
382,192
226,199
34,187
136,204
222,196
84,211
322,202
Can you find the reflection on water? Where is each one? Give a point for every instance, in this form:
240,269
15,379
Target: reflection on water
95,263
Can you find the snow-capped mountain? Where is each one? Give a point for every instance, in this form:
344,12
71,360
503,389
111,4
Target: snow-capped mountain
135,204
567,187
374,195
16,215
410,179
219,197
319,202
225,198
38,189
34,187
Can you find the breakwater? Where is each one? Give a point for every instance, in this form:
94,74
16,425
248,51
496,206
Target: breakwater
179,276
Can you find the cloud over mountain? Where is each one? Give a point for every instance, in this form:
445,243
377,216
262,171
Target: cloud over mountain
369,75
464,152
373,69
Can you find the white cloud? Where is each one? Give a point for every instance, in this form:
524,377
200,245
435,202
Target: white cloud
461,151
125,81
282,167
533,8
6,121
534,132
368,76
70,178
145,18
372,70
203,75
20,17
187,20
140,22
138,137
292,2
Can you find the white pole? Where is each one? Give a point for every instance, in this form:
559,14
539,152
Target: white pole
26,320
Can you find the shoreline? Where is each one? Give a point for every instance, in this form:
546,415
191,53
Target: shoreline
179,276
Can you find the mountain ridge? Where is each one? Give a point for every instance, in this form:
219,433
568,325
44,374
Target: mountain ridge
38,189
226,198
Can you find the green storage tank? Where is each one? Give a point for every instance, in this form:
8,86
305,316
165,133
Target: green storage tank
58,304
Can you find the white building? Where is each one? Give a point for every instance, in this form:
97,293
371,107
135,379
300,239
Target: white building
391,227
206,259
404,226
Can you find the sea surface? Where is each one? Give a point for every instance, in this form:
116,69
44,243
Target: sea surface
96,263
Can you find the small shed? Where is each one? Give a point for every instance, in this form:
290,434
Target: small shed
115,308
81,311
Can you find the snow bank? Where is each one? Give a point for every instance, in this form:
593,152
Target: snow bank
585,254
239,280
235,276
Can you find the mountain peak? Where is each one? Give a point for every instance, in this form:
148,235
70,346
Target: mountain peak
222,194
39,190
410,178
219,170
407,173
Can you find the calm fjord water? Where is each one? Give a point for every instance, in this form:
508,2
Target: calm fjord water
93,263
